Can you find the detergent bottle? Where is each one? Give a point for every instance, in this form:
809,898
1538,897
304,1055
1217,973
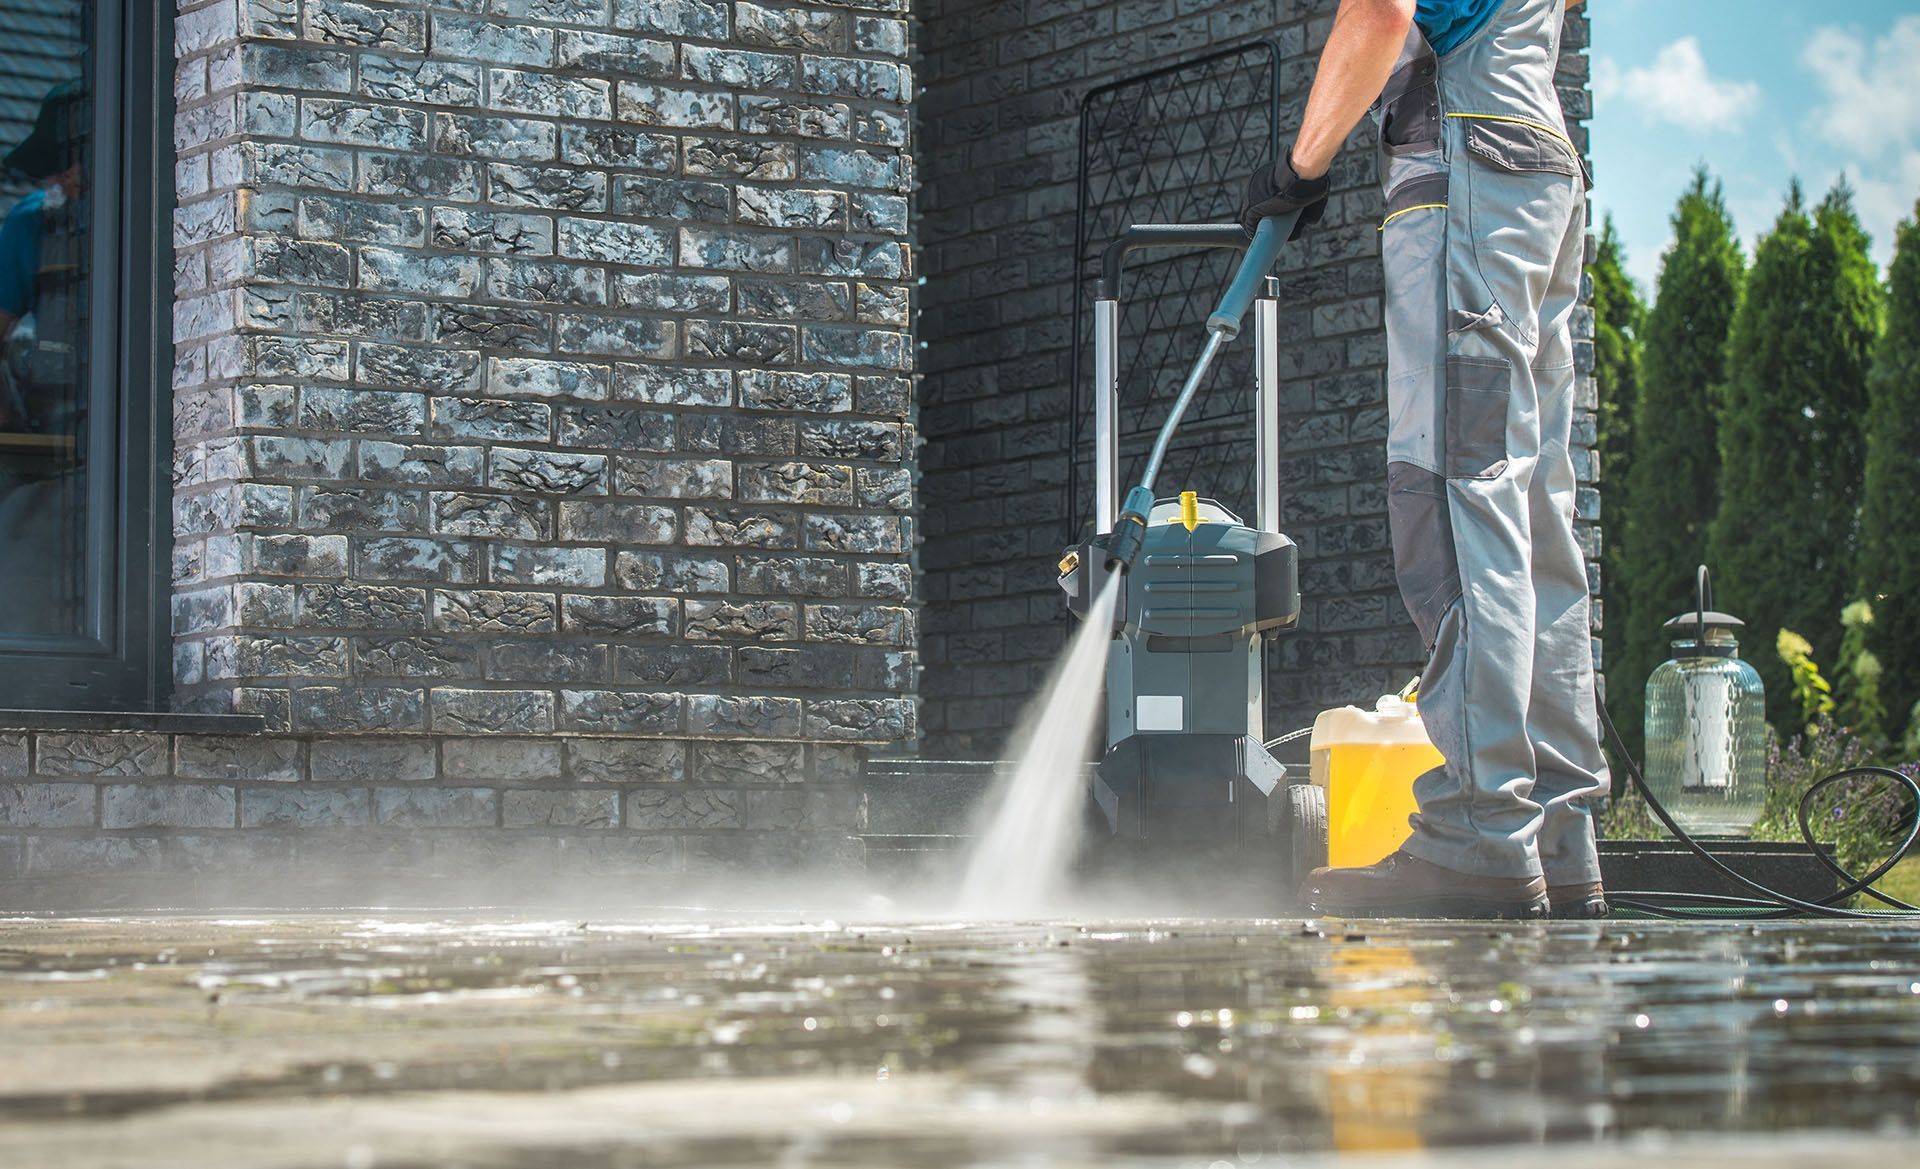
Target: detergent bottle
1367,760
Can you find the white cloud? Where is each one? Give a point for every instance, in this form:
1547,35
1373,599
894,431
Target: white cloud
1869,114
1871,106
1677,88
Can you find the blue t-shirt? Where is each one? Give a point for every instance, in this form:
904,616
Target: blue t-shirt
1448,23
20,253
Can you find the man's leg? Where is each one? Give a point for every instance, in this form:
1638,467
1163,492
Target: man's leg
1561,712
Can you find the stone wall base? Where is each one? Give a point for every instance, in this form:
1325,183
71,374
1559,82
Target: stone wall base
148,818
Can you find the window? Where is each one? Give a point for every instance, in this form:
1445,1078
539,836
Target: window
79,364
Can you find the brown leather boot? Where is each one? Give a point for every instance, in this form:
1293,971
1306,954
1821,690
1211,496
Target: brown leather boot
1403,885
1585,902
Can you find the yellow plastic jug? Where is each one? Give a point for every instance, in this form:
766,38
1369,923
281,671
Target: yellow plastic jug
1367,760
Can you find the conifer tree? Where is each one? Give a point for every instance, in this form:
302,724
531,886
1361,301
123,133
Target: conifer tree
1792,431
1617,317
1672,478
1889,571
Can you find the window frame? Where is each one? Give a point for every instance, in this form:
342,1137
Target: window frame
122,661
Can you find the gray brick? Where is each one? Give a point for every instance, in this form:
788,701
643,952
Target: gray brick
618,56
825,210
462,514
420,463
484,711
674,665
494,42
240,757
47,805
542,93
625,760
683,199
359,124
574,567
499,760
620,616
495,137
654,572
343,22
415,657
792,809
547,472
560,809
366,760
791,117
717,716
620,712
494,611
304,807
597,333
663,105
674,385
416,558
748,763
545,282
675,478
742,158
100,754
742,621
737,68
436,807
480,418
677,808
625,523
412,79
13,753
830,393
166,805
359,708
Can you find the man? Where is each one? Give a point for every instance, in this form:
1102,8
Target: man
34,378
1482,240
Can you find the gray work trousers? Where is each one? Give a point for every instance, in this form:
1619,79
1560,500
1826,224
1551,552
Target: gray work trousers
1483,244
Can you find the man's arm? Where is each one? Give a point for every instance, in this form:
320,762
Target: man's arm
1359,57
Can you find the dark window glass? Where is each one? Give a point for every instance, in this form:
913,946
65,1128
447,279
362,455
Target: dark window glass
48,522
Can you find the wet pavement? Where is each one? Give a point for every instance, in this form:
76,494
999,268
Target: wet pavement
682,1040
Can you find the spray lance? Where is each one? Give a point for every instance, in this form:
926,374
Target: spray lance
1130,527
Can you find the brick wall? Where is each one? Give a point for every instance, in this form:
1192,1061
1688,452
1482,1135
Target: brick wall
998,156
542,367
266,819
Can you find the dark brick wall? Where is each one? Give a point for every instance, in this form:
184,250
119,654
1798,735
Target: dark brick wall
542,367
997,154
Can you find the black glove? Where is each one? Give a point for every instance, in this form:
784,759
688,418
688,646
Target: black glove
1276,190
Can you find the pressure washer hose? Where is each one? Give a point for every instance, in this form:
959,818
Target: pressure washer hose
1223,325
1769,902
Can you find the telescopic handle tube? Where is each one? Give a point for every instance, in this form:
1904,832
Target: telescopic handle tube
1254,266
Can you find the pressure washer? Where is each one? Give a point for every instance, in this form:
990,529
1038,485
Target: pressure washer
1186,768
1186,765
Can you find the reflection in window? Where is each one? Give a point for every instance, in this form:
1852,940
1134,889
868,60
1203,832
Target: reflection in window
46,111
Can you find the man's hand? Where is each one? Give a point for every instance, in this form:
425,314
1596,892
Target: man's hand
1277,190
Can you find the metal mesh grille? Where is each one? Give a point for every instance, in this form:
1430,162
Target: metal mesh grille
1174,145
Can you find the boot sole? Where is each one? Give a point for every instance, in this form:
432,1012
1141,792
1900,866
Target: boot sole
1447,908
1590,910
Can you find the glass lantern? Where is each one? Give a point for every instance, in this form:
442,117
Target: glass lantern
1706,725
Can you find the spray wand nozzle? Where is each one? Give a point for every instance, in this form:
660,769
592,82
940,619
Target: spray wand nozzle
1130,529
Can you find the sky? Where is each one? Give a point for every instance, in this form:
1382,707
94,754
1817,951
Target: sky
1760,91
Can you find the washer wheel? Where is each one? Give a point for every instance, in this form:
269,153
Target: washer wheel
1306,829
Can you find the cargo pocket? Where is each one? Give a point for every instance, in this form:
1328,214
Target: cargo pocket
1520,147
1423,550
1410,106
1478,392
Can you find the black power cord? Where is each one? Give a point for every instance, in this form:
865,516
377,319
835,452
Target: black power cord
1769,903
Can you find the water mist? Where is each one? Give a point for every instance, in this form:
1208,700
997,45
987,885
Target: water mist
1030,828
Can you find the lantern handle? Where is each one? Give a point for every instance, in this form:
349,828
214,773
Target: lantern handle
1703,599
